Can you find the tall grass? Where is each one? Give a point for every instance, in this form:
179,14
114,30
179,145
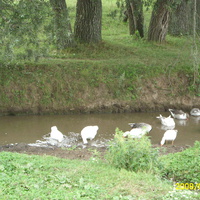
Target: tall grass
133,155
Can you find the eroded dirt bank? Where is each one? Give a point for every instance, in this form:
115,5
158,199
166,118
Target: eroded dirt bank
155,94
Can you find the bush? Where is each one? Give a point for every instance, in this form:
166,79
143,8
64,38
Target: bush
132,154
183,166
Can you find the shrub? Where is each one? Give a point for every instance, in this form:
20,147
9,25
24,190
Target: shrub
132,154
183,166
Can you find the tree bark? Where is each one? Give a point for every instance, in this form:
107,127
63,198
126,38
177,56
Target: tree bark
159,21
63,30
135,16
88,21
181,19
197,14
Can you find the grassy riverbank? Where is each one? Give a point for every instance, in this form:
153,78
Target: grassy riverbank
122,74
45,177
135,76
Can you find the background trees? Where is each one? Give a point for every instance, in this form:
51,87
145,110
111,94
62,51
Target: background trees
32,26
21,24
181,18
62,25
135,16
158,26
88,21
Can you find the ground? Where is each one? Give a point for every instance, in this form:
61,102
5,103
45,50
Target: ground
78,153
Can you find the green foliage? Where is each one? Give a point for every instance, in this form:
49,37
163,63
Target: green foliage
21,27
45,177
181,194
132,154
183,166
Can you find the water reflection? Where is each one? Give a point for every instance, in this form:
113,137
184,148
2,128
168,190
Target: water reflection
181,122
29,129
167,127
196,119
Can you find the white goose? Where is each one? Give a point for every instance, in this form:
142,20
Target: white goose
56,134
134,133
166,121
138,130
143,126
178,114
169,135
195,112
89,132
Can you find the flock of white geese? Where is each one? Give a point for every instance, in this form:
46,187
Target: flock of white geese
137,129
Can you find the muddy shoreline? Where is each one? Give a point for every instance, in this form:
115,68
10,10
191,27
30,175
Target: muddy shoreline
77,153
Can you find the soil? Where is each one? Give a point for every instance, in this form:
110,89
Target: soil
79,153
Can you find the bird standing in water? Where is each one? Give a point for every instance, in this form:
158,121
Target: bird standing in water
89,132
178,114
169,135
166,121
56,134
195,112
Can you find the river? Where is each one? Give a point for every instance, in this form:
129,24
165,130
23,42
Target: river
29,129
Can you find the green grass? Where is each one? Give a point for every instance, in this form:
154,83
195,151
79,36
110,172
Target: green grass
183,166
45,177
35,177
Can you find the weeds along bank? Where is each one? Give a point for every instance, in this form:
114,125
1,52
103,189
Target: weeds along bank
85,85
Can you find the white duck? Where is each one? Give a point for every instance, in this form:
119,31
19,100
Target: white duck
166,121
134,133
56,134
169,135
138,130
89,132
143,126
178,114
195,112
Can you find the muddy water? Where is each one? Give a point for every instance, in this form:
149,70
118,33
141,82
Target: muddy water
28,129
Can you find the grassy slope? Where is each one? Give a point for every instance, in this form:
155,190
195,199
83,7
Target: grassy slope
88,76
35,177
45,177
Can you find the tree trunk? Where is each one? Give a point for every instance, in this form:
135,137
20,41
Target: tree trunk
198,16
88,21
159,21
135,16
63,30
181,19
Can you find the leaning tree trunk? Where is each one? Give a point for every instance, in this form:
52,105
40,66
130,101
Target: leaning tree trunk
159,21
88,22
135,16
63,30
181,19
